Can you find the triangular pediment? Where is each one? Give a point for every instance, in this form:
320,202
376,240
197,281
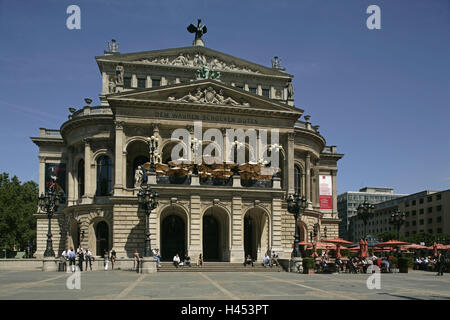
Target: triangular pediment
194,57
203,93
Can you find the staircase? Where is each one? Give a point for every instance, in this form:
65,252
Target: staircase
218,267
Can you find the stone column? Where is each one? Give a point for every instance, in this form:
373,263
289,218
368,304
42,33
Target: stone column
41,174
163,81
237,229
316,187
70,177
334,186
195,243
276,224
88,188
118,157
148,83
290,162
105,83
259,90
133,81
308,179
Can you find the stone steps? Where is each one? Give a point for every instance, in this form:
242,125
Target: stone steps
218,267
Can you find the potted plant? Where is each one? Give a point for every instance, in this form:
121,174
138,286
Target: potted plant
308,265
405,264
393,264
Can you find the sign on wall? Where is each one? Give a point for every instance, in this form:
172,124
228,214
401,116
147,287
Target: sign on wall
326,192
55,175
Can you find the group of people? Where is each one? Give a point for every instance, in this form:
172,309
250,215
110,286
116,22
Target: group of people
270,259
187,261
429,263
84,255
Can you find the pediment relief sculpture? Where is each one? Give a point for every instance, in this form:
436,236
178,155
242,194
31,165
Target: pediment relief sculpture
198,60
208,95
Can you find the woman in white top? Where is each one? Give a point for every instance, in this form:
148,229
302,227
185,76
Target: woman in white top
176,260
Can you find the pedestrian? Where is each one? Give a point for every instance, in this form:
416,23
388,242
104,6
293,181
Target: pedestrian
106,261
266,261
72,257
275,258
80,258
176,260
88,258
248,260
441,262
113,258
62,261
187,260
200,260
136,260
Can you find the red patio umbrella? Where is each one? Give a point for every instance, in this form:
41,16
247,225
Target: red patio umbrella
338,242
392,243
362,249
414,246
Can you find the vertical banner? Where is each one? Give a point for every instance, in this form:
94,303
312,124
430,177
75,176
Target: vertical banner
326,192
55,175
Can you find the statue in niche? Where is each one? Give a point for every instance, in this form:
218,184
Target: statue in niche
111,86
119,74
138,177
290,90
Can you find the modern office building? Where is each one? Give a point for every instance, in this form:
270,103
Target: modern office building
427,211
348,203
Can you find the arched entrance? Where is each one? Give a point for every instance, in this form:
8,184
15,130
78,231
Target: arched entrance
173,237
215,235
256,233
102,238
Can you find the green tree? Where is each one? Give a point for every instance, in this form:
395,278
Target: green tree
18,203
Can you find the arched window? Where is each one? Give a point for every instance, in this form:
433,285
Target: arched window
80,178
297,179
104,176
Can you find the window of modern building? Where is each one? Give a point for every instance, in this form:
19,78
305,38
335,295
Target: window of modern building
141,82
421,231
407,234
414,202
439,208
438,196
127,82
406,203
430,220
421,200
414,212
430,230
421,222
266,92
439,230
414,232
407,224
414,223
156,82
439,219
429,198
104,176
421,211
407,213
430,209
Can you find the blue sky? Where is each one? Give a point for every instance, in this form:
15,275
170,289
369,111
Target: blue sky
382,96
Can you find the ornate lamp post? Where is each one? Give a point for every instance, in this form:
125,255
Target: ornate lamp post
153,146
49,203
296,206
148,201
397,219
195,146
364,212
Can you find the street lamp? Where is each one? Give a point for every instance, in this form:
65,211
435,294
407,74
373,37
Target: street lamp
153,146
148,201
195,145
296,206
397,219
49,203
364,212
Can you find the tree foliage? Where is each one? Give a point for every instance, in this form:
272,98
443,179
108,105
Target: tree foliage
427,238
18,203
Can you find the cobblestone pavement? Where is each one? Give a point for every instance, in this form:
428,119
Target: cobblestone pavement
122,285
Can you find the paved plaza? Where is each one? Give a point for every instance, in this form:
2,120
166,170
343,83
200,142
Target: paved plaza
123,285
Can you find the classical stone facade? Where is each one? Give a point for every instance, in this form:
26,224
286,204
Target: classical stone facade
151,94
